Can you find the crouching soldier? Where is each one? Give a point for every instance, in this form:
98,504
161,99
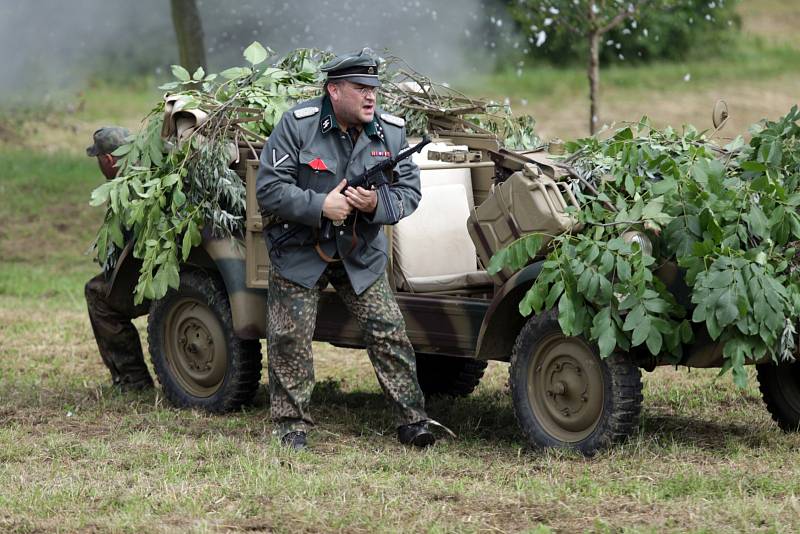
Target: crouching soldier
117,338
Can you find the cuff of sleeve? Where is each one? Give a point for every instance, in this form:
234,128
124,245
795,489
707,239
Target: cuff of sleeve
379,216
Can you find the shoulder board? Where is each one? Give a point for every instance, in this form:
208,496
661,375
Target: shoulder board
302,113
391,119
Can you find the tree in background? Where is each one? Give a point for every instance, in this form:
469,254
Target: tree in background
624,26
189,31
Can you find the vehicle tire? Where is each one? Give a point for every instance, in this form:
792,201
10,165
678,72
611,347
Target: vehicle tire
780,389
564,395
198,359
449,375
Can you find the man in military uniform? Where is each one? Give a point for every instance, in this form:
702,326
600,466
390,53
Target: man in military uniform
117,338
301,179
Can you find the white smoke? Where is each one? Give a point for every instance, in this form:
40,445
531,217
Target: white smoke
52,45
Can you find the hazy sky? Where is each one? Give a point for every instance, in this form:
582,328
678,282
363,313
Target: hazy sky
47,45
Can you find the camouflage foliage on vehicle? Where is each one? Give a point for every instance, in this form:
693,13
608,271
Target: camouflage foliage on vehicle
727,215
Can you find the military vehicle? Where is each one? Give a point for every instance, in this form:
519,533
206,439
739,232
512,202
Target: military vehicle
204,338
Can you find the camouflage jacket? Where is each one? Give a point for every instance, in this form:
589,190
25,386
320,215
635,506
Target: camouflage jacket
306,156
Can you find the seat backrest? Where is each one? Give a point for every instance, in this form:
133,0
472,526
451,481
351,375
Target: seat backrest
433,241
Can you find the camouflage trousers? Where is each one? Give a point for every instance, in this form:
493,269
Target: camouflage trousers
117,338
291,317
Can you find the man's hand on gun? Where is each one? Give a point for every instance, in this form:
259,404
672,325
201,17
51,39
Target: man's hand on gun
336,206
365,200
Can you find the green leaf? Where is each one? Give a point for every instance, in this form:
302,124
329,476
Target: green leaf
567,316
497,262
794,223
665,185
657,305
584,280
533,244
753,166
634,318
654,209
759,225
727,311
100,195
180,73
160,283
199,74
719,279
178,198
641,332
173,276
115,232
235,72
594,286
195,233
102,244
170,180
122,150
186,246
555,291
603,330
775,154
623,269
255,53
606,263
712,326
654,341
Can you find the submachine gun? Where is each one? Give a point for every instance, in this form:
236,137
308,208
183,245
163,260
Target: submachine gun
379,177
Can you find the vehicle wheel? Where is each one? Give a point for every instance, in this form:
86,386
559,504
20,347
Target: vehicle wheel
565,395
780,389
449,375
197,358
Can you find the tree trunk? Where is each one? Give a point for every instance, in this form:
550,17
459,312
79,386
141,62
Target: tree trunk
189,31
594,80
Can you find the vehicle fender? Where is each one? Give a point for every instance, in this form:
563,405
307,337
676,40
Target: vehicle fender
248,305
502,321
223,255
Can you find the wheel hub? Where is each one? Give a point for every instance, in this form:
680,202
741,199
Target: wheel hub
195,347
565,387
198,345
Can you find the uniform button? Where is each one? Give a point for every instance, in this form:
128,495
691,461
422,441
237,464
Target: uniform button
341,232
286,225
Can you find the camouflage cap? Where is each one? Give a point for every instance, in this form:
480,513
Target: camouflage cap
358,67
106,140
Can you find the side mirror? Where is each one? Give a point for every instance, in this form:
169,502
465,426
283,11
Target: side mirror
719,116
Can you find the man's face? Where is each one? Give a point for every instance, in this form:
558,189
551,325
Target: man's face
107,164
353,103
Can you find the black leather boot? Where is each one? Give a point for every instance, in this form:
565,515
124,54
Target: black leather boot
294,440
416,434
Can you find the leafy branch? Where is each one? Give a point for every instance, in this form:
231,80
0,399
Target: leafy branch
726,215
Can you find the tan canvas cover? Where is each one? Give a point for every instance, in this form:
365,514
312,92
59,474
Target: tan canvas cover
180,122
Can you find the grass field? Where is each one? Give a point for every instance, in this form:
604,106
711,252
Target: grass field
76,456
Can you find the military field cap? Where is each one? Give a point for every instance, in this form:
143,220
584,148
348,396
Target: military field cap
107,140
358,67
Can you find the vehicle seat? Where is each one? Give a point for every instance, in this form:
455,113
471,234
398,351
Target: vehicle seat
432,249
